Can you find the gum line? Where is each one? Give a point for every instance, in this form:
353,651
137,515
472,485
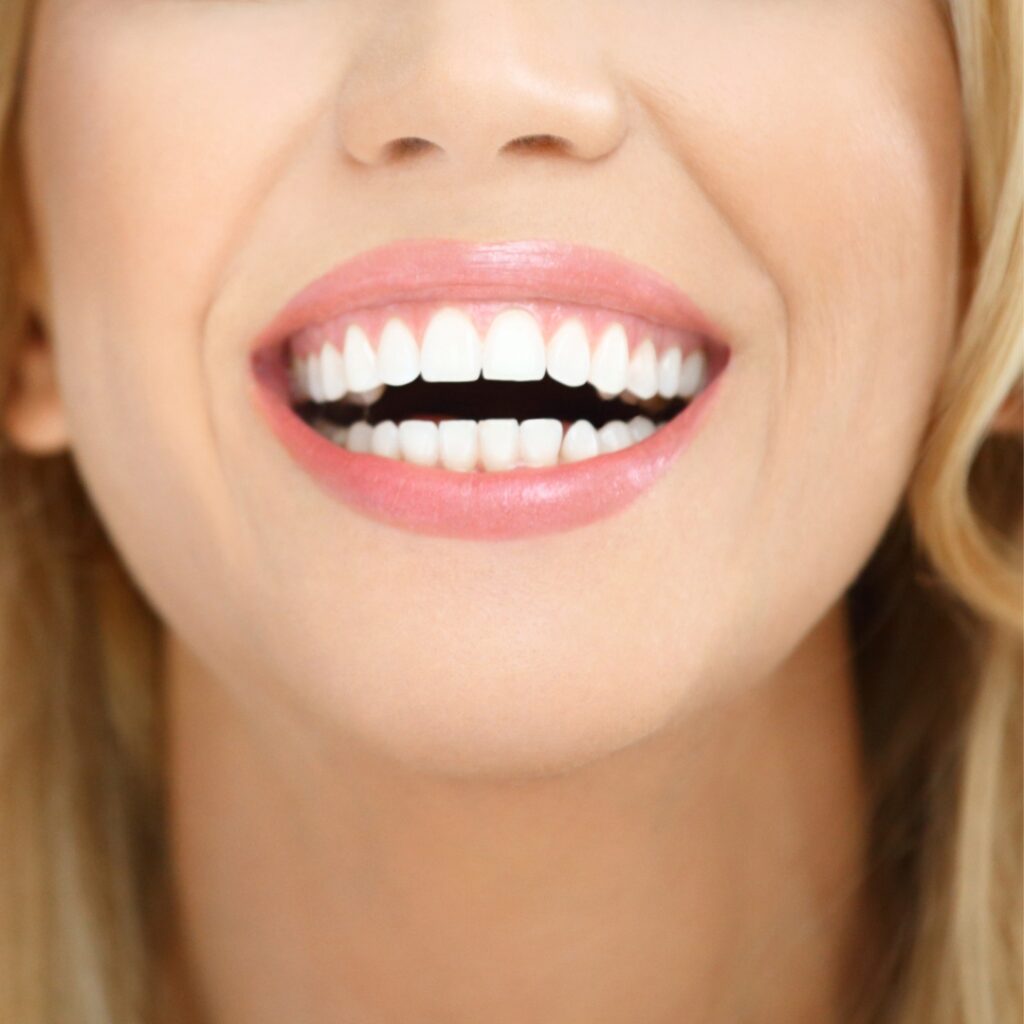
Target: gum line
549,315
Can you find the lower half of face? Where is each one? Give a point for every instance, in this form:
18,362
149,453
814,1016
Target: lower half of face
492,391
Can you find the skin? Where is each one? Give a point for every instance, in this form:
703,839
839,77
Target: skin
611,775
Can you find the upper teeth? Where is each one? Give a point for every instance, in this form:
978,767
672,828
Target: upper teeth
513,348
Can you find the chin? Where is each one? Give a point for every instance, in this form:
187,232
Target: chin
479,716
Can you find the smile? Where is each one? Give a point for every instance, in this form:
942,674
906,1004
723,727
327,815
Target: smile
487,391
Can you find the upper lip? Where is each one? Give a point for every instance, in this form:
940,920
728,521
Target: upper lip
448,270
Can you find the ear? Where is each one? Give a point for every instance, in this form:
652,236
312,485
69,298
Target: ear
1009,418
32,416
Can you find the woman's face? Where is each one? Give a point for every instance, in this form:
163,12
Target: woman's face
794,167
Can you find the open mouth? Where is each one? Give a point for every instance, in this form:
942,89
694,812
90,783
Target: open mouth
487,390
492,386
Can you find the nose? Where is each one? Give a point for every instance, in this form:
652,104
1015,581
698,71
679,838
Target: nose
478,81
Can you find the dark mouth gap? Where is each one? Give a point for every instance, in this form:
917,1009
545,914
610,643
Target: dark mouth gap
492,399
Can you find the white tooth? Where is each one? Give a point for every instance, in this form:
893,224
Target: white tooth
641,428
668,373
398,358
642,377
360,436
499,444
569,354
417,441
367,397
613,436
692,373
360,360
580,442
385,440
451,348
332,372
314,378
610,361
540,441
514,347
458,439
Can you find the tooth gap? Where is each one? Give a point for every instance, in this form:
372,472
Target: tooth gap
486,399
483,399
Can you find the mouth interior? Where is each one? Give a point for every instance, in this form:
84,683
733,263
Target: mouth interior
485,399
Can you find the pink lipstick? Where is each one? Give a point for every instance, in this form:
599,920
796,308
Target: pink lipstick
419,318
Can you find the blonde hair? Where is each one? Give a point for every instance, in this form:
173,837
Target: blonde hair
936,615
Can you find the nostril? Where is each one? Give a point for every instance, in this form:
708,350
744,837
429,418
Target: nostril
539,144
410,145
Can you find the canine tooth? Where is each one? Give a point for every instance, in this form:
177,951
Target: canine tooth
610,361
384,440
360,360
458,443
692,373
514,347
614,436
314,378
499,444
540,441
360,436
417,441
398,357
642,376
641,428
367,397
668,373
568,354
332,373
451,348
580,442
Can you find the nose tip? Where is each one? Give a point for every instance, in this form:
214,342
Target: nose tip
479,93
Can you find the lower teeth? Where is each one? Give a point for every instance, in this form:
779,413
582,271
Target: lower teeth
490,445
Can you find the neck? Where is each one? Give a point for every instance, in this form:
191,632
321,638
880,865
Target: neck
709,873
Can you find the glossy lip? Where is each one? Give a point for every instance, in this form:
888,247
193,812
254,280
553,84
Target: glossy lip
512,503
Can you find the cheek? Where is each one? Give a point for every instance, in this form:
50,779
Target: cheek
829,138
151,134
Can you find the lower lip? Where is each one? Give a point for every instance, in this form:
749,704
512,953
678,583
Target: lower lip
509,504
